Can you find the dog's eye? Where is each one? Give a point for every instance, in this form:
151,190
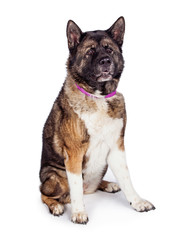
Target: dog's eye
91,51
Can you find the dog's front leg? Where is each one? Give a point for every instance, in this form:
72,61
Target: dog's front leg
76,193
75,181
118,165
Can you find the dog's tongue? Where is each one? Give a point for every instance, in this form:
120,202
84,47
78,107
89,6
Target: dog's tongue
105,76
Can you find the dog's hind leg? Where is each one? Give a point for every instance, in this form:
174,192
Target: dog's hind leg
54,206
55,193
109,187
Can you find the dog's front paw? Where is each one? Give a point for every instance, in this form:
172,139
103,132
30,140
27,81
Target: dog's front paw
142,205
80,218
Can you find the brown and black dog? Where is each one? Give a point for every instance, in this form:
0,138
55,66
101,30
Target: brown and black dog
84,133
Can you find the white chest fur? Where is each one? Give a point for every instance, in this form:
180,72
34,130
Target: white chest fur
104,132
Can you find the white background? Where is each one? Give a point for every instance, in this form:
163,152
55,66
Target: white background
33,53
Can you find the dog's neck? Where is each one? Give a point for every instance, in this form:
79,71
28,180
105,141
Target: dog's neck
95,96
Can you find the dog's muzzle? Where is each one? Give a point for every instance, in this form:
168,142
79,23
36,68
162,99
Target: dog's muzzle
105,67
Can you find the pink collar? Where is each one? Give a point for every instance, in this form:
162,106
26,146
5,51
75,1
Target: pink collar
93,96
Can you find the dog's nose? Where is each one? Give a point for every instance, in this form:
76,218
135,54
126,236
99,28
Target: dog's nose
105,62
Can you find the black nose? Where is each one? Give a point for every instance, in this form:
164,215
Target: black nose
106,62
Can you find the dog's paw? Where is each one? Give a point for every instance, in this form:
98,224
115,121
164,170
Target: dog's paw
109,187
142,205
80,218
56,209
112,188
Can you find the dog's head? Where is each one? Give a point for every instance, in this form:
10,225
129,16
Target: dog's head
95,59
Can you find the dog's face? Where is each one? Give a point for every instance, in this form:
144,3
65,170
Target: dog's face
96,59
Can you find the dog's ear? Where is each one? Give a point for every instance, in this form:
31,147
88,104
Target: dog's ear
73,35
117,30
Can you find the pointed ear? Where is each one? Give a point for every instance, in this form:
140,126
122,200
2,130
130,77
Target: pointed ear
73,35
117,30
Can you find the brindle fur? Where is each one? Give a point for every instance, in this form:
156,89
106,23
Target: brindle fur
65,137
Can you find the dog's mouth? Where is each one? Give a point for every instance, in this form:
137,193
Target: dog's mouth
104,77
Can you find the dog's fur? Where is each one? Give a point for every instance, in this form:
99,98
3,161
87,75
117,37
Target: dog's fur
83,135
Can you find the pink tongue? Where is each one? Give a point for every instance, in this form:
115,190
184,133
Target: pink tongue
105,74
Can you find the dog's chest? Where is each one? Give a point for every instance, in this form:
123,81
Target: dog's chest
104,133
100,126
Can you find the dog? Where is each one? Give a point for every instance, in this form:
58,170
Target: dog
84,133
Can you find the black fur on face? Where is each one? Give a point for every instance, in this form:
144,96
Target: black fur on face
95,59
